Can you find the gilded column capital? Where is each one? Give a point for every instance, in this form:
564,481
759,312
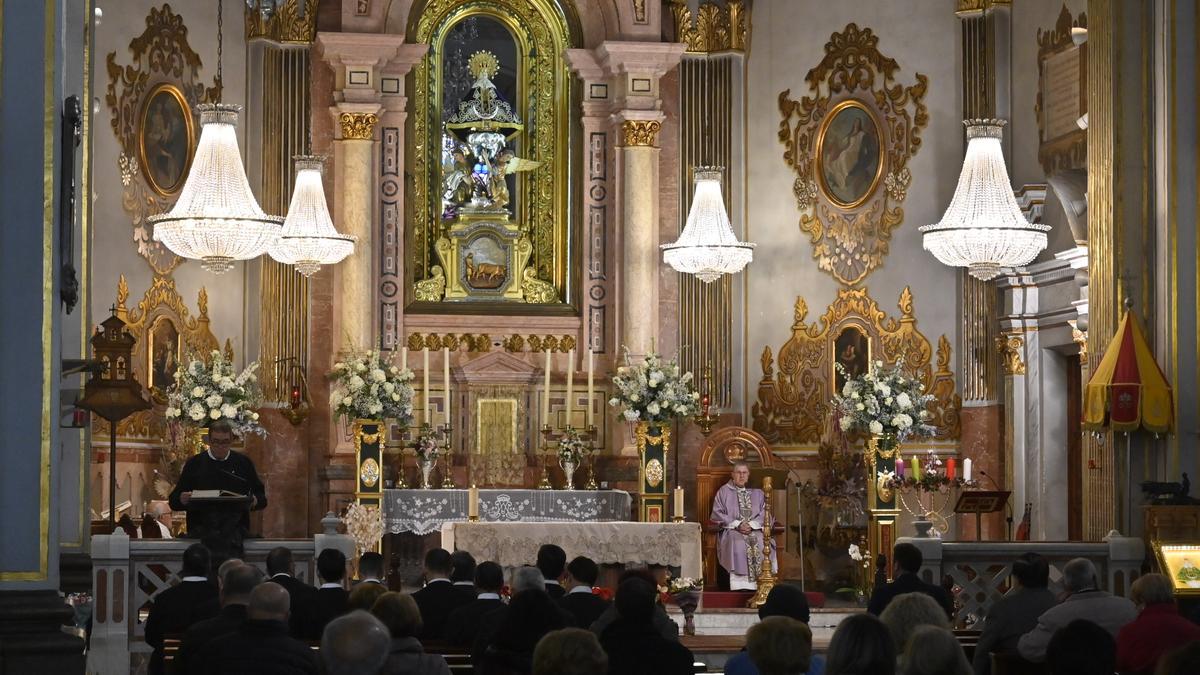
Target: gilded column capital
640,133
1010,347
358,125
969,7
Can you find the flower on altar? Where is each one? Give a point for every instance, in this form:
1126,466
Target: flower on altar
208,390
368,386
571,447
855,553
684,584
427,447
364,524
884,402
654,390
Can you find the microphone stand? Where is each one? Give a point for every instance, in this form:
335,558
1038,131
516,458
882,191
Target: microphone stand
1008,513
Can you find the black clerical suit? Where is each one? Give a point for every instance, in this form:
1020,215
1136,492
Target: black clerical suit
303,605
907,582
172,611
436,601
462,625
220,527
586,607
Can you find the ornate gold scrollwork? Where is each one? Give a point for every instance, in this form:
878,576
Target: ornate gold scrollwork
640,133
1069,150
285,23
1079,337
793,402
358,125
537,291
654,473
850,236
643,438
1010,348
715,28
977,6
432,289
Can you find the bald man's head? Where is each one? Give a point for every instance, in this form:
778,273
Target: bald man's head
269,602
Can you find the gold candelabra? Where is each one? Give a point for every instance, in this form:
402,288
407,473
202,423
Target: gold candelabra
591,482
706,420
447,465
547,443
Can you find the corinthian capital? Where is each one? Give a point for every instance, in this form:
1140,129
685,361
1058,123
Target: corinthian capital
358,125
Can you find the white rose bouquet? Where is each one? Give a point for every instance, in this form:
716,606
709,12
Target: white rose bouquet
366,386
654,391
206,392
884,402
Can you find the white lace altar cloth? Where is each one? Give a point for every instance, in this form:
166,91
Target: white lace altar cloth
515,544
425,511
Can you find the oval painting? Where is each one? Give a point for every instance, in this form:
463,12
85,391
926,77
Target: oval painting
849,162
166,139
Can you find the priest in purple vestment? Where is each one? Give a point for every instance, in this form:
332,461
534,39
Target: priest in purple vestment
738,510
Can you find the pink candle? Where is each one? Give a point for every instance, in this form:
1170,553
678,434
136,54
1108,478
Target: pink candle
950,468
899,468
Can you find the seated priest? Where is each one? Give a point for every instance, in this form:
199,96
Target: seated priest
221,526
738,510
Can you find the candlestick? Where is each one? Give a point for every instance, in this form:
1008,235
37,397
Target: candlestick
546,394
545,482
425,381
403,358
473,503
591,412
446,382
950,468
899,467
679,504
916,469
967,469
570,383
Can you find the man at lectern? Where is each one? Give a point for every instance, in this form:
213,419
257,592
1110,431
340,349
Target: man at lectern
209,488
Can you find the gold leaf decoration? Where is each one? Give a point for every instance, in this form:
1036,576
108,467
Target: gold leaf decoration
715,27
358,125
640,132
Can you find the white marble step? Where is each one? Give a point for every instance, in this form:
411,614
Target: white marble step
735,621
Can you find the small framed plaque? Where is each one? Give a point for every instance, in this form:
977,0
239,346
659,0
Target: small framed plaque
1180,561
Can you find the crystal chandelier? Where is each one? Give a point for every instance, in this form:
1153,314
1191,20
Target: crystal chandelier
309,238
983,228
707,247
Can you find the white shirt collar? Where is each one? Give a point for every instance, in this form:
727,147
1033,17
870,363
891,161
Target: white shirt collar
464,583
210,456
332,585
434,581
195,579
488,596
371,580
552,581
281,574
580,589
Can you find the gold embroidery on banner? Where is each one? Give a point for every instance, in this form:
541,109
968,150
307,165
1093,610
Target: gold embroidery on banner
640,133
358,126
851,238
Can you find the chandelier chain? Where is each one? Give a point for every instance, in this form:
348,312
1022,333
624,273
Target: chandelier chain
220,45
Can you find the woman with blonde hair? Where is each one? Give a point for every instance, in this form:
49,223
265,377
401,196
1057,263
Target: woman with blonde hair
908,612
933,651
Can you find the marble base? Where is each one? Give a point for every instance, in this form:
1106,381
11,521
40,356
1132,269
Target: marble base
736,621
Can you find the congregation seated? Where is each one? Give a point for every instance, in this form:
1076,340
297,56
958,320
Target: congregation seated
509,634
1157,630
301,596
355,644
370,569
552,562
462,625
861,644
633,643
908,612
569,651
261,645
212,606
584,605
406,656
908,561
438,598
237,582
779,645
331,597
174,609
1016,613
1081,647
364,595
784,600
932,650
1085,601
661,620
462,577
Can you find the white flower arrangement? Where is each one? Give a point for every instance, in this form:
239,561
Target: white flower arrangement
684,585
884,402
364,524
366,386
206,392
571,447
427,447
654,391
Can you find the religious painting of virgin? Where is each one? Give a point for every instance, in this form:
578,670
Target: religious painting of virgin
166,138
849,162
852,351
485,264
163,355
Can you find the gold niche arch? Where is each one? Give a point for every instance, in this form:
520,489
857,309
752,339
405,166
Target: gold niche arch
794,394
542,31
857,109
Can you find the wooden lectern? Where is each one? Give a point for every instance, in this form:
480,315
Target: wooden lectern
980,502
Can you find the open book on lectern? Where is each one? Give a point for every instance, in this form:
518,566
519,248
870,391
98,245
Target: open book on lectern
212,494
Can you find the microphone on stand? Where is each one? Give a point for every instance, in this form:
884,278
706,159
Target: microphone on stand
1008,517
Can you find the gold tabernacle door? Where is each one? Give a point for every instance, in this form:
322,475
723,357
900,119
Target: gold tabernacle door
484,256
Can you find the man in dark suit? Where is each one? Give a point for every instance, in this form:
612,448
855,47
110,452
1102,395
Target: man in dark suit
262,646
462,577
1017,612
552,561
462,625
438,598
236,586
908,561
301,597
370,568
331,598
173,609
584,605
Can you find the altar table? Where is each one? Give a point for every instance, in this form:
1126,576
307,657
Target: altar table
516,544
426,511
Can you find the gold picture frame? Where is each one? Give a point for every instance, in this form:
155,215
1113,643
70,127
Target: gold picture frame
164,348
855,363
850,152
166,138
1180,562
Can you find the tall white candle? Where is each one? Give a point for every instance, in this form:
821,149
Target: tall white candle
967,469
570,383
546,393
446,382
403,358
425,381
591,412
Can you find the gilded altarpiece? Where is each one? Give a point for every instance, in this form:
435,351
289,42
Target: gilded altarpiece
849,141
800,379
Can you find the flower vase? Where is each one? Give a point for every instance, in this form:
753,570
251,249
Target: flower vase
426,472
568,467
687,602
